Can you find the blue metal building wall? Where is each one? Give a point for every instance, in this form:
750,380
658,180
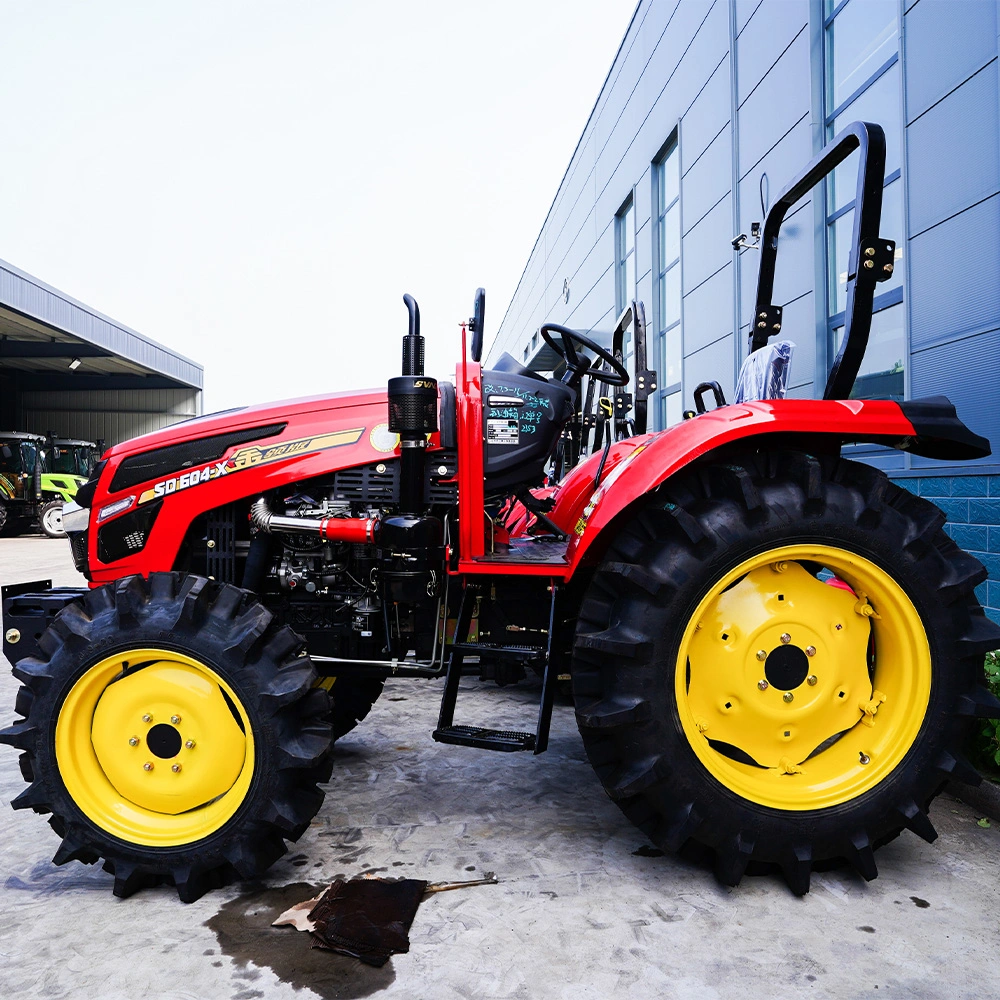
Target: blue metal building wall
741,82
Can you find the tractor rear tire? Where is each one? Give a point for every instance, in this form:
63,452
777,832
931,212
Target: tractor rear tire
737,706
173,729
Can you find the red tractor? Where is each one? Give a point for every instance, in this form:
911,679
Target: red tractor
775,653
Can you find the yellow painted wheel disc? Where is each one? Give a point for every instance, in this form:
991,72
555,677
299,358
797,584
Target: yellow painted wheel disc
796,693
155,747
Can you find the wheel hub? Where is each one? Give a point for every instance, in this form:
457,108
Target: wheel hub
786,667
166,737
777,710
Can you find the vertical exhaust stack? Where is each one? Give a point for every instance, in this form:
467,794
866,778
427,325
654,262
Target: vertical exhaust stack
412,413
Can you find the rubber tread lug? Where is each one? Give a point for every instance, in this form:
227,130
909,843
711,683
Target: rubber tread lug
980,703
682,825
917,821
21,736
862,856
614,642
227,603
634,574
982,637
33,797
289,683
614,712
957,768
636,777
797,869
732,858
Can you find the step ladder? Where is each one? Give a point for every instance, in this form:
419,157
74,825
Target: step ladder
504,740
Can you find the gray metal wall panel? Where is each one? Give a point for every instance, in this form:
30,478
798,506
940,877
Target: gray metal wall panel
744,11
776,105
799,326
955,280
712,363
28,295
953,160
708,315
946,42
707,116
959,370
767,34
705,249
709,179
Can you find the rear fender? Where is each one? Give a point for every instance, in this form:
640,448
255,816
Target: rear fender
927,427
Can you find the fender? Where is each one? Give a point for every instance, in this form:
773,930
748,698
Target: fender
928,427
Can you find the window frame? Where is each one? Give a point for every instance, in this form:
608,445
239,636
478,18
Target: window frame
660,270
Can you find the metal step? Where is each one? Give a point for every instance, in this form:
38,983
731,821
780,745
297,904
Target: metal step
504,740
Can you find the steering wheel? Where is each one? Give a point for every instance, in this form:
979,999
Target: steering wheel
576,367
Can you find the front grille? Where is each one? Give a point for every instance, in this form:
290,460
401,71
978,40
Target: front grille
78,547
128,534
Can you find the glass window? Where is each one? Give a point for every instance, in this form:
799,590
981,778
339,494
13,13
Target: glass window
29,454
10,464
881,375
625,255
860,40
667,291
879,103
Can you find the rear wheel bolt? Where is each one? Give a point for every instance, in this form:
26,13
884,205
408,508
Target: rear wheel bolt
788,696
175,768
762,654
147,718
133,741
189,744
786,638
810,650
763,685
175,719
148,766
811,680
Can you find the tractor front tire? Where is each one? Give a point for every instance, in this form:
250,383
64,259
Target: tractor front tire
351,699
50,519
173,729
778,662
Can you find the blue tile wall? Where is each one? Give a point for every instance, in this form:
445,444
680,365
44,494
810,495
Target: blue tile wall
972,506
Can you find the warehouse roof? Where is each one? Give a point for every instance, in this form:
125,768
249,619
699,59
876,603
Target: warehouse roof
43,330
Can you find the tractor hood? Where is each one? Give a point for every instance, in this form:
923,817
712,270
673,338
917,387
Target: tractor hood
332,408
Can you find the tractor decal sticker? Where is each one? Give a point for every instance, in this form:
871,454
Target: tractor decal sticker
502,431
598,495
382,439
7,488
248,458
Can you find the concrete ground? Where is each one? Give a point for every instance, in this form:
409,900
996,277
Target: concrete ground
582,909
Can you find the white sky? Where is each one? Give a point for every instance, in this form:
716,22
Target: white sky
256,184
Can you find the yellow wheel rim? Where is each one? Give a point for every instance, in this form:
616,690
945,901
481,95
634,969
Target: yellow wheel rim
155,747
774,687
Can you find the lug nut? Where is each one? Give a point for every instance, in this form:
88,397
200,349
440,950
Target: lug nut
763,685
147,718
788,696
175,768
762,655
133,741
811,680
148,766
864,758
786,638
189,744
810,650
175,719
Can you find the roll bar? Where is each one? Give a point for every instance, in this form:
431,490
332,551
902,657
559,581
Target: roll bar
871,259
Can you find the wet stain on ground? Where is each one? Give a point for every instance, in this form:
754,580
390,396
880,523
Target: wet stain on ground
648,852
244,931
867,929
921,903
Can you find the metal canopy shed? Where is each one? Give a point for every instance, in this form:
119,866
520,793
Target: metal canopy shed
66,368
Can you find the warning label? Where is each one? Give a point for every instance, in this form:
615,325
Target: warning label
501,431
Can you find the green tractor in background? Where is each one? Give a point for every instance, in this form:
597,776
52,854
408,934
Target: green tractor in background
37,476
68,463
